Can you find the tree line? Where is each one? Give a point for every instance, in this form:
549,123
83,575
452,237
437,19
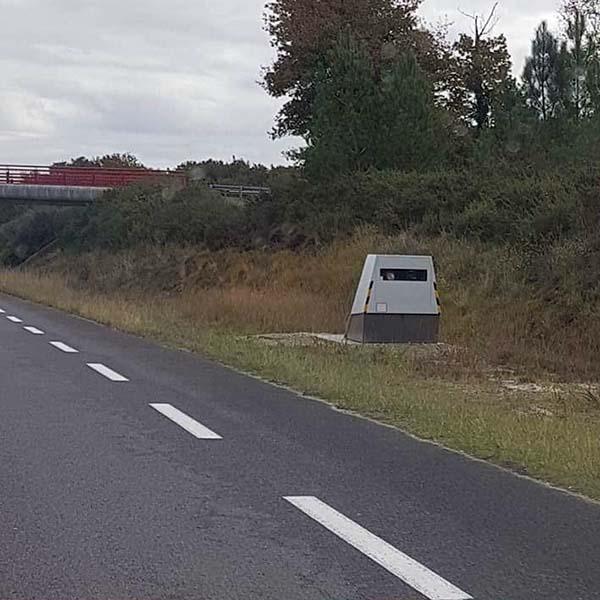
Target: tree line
404,129
369,85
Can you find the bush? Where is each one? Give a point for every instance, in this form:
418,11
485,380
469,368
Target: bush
10,211
140,215
521,208
30,231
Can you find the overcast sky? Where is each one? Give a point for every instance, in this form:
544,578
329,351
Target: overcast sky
168,80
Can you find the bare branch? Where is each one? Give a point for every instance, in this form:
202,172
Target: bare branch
488,25
492,17
470,16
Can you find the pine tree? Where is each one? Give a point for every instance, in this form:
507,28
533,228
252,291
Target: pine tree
590,9
513,119
362,120
593,81
410,131
582,60
578,58
542,74
343,127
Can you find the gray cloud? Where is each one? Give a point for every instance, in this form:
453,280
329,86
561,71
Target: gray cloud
168,81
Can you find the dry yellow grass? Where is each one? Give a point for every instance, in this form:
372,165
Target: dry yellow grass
204,302
488,305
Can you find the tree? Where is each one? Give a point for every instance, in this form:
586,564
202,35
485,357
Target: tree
578,63
304,31
513,123
411,133
362,120
343,129
109,161
481,74
589,9
119,161
542,73
582,57
593,81
236,172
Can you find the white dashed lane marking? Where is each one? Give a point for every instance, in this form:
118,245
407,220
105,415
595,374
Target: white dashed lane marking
14,319
106,372
190,425
410,571
64,348
2,311
34,330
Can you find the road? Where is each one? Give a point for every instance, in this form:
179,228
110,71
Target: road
155,474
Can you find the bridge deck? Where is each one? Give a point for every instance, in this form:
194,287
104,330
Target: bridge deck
50,194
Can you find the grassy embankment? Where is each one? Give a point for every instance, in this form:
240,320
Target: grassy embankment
472,395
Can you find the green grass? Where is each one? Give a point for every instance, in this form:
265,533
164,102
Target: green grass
464,417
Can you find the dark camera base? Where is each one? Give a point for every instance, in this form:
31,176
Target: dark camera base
394,329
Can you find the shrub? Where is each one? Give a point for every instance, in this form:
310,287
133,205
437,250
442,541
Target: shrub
30,231
140,215
526,209
521,208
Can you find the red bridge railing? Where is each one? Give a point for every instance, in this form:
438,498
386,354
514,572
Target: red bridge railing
100,177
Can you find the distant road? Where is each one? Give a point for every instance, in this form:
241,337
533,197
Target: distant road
129,471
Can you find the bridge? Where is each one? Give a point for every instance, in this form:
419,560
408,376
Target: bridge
64,185
78,186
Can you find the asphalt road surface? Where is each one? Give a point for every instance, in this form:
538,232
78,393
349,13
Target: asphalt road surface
130,471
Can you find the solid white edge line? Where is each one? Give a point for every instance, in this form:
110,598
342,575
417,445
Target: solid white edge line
413,573
64,348
34,330
106,372
14,319
190,425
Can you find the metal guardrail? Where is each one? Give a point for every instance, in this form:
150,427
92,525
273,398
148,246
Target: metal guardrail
239,190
